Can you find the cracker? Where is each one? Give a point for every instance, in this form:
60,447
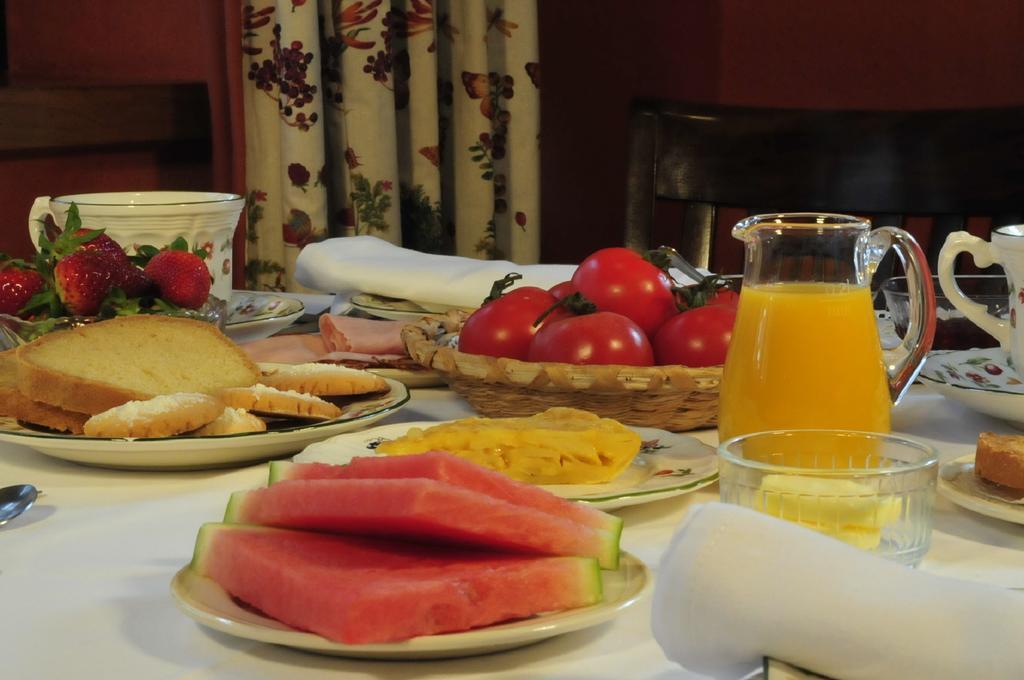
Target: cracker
163,416
232,421
324,380
269,401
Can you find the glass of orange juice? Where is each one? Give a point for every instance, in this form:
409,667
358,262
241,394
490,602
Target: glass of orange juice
805,351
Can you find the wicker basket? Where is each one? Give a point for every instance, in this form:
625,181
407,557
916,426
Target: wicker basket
674,398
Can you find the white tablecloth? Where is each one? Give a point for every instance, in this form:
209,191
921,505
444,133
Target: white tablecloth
84,575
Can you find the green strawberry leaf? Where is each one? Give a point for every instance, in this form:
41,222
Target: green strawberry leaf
44,300
143,254
179,244
200,253
74,221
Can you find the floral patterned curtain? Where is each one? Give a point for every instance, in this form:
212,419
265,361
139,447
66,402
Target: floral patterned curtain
416,121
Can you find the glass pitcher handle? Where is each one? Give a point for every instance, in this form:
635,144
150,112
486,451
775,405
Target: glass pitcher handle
905,361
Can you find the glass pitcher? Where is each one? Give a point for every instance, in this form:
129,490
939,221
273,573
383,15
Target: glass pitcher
805,350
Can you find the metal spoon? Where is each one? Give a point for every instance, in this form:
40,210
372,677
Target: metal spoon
15,500
680,263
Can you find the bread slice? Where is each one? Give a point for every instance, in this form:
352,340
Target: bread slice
14,404
1000,459
98,366
163,416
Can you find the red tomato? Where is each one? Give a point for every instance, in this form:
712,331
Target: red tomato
598,338
619,280
504,327
697,337
562,290
726,297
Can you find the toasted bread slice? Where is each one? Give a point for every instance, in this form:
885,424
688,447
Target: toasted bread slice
14,404
96,367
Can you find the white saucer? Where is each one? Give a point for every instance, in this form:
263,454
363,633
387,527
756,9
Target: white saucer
980,379
958,483
206,602
254,315
669,464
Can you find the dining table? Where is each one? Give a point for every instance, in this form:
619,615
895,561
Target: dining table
85,573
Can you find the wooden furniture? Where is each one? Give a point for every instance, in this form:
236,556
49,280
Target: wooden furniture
62,117
887,165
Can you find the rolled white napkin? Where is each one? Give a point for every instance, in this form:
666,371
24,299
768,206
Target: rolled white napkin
736,585
353,264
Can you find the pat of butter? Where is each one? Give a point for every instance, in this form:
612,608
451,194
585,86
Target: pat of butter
834,506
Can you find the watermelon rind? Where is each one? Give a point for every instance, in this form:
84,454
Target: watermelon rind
203,539
279,471
234,507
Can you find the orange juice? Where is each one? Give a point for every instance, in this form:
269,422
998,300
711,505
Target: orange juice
804,356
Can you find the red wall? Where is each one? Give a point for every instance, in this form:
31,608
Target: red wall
116,42
597,56
872,54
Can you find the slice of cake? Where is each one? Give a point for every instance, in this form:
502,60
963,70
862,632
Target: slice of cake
1000,459
14,404
98,366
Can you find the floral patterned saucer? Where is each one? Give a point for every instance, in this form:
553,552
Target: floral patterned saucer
981,379
253,315
669,464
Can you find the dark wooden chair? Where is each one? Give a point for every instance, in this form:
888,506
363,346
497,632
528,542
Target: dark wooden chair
891,166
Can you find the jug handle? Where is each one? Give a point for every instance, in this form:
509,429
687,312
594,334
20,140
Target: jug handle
905,362
36,219
984,256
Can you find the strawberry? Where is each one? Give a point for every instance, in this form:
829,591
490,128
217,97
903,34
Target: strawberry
17,286
181,277
83,279
133,281
103,244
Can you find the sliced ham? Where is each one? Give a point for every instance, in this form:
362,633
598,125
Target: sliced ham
345,340
286,349
366,336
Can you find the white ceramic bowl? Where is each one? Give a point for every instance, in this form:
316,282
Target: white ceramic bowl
155,218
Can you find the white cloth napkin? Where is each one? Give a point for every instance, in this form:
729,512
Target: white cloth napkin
353,264
736,585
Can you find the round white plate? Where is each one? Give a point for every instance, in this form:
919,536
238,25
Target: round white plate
958,483
206,602
196,453
253,315
424,378
668,464
980,379
395,309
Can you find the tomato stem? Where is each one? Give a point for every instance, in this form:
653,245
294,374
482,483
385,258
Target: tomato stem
498,287
575,303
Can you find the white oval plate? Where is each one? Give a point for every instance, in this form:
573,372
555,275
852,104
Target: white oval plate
197,453
206,602
980,379
254,315
395,309
669,464
958,483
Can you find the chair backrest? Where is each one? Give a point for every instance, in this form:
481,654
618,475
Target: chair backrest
887,165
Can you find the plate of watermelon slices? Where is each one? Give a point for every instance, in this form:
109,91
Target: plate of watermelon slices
203,600
668,464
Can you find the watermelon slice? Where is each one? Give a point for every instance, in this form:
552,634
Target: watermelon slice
419,510
444,467
361,590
